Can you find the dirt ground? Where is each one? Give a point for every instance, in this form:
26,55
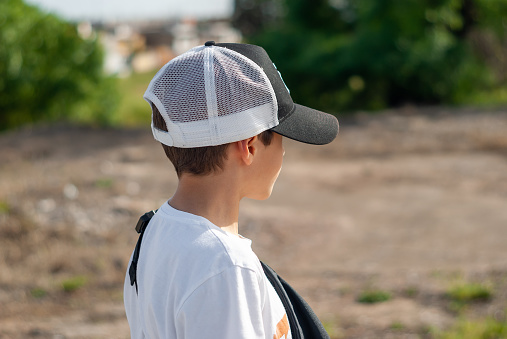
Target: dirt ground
407,202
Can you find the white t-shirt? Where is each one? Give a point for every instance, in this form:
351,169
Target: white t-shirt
197,281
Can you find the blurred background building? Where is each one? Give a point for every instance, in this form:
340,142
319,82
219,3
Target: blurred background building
143,46
143,38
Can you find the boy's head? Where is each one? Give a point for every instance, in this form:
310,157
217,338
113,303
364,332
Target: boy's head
198,160
217,94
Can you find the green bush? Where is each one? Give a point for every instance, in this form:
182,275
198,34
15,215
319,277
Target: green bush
104,183
74,283
133,109
397,326
373,296
38,293
371,54
466,292
4,207
488,328
47,71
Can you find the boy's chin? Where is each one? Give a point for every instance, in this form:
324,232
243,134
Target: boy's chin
260,196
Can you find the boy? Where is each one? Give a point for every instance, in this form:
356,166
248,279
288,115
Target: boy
220,112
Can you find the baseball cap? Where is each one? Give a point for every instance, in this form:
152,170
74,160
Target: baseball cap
224,92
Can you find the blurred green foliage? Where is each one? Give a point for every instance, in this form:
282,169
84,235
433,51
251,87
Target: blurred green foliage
370,54
373,296
133,110
488,328
48,72
74,283
467,292
38,292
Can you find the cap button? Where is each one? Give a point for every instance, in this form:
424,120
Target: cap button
209,43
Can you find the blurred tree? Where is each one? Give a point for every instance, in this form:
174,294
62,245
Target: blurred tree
370,54
47,71
252,16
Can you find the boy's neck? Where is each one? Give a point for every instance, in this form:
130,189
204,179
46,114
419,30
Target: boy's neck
213,197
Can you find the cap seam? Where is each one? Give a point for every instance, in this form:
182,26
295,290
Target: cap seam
288,114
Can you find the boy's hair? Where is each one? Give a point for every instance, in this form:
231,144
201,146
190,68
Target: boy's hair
198,160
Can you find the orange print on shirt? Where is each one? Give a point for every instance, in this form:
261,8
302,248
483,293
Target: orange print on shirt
282,328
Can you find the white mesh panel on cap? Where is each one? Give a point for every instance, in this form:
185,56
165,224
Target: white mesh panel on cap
211,96
180,88
242,80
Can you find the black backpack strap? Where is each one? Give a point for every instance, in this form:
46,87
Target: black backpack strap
304,323
140,228
273,278
308,320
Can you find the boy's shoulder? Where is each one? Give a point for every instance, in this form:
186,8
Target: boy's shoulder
190,241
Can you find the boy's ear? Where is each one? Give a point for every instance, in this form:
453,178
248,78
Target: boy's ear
247,149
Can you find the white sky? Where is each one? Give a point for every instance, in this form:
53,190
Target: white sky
135,9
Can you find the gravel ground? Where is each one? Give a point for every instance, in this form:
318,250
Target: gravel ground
408,202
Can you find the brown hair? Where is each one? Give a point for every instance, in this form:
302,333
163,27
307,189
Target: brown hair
198,160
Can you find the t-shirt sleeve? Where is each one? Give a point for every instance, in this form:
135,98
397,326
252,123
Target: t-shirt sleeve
228,305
